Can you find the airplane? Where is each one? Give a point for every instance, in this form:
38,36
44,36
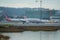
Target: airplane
26,20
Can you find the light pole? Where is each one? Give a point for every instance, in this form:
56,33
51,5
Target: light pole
40,16
40,4
40,9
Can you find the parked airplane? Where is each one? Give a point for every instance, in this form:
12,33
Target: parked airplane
26,20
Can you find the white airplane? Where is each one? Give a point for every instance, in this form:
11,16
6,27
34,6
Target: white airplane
26,20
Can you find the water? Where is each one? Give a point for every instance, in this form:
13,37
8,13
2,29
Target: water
38,35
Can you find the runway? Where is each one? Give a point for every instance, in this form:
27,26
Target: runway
28,24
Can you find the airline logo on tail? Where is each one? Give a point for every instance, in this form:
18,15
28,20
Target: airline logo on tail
8,19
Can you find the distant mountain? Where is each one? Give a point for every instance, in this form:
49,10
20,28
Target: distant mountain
29,12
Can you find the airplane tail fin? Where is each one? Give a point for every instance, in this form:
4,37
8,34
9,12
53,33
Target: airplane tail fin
7,18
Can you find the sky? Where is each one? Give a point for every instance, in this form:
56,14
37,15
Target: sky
51,4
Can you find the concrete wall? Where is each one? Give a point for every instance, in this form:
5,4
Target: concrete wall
39,35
